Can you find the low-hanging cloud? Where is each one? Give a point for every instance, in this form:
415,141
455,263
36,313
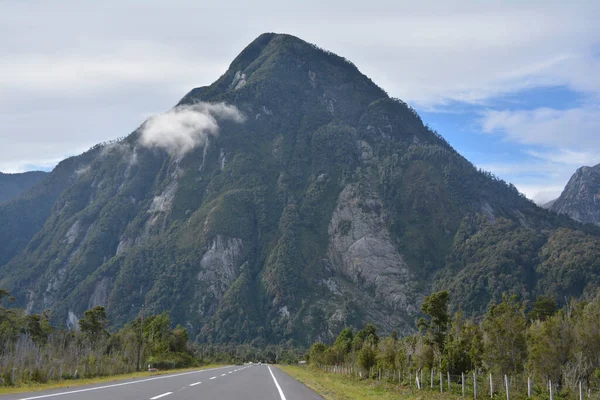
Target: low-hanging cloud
185,127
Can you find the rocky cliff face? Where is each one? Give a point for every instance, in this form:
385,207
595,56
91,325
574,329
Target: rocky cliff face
293,198
581,198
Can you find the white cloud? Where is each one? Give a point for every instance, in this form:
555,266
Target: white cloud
540,180
130,63
576,128
556,143
185,127
568,157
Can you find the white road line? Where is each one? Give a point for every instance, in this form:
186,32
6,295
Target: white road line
231,372
223,374
277,384
160,395
194,384
214,377
118,384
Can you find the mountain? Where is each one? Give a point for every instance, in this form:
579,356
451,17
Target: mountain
287,200
549,204
581,198
12,185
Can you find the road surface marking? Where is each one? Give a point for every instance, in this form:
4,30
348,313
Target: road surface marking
160,395
231,372
223,374
117,384
194,384
214,377
277,384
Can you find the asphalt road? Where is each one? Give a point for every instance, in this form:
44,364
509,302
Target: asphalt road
257,382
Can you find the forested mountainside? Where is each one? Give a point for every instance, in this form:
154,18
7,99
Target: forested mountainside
12,185
581,198
287,200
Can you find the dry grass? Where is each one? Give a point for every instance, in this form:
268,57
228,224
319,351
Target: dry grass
69,383
340,387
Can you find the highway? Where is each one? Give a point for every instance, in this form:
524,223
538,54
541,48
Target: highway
255,382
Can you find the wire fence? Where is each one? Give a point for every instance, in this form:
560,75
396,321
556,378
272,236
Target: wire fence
473,385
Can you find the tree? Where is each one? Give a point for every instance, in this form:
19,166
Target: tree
342,345
505,345
461,352
367,358
543,308
369,334
93,324
435,307
317,353
550,344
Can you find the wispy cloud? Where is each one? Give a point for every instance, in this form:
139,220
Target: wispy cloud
575,128
554,143
181,129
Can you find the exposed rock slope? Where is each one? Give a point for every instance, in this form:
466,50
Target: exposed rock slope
581,198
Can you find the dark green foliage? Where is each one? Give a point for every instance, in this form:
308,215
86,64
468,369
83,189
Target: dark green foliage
94,323
543,308
435,306
505,343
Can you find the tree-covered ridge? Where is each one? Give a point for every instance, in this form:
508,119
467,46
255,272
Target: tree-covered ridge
330,206
12,185
489,259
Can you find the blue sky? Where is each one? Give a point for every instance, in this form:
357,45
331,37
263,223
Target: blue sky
529,165
513,85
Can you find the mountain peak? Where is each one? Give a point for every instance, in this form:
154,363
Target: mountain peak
581,197
276,63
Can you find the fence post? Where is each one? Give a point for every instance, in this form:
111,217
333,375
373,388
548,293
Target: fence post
507,387
418,383
551,393
441,383
580,391
448,373
529,386
462,378
475,385
491,386
431,380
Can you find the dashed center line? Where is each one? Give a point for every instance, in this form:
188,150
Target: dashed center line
160,395
223,374
214,377
194,384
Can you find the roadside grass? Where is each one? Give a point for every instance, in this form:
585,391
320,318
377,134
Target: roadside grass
69,383
341,387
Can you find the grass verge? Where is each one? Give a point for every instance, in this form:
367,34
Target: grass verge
69,383
340,387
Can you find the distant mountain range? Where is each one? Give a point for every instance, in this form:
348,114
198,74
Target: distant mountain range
12,185
287,200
